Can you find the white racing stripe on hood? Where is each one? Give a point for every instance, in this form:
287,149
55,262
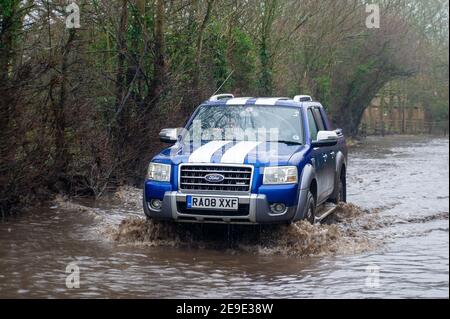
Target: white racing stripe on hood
204,154
238,153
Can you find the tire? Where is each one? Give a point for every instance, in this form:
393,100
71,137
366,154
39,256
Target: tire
311,209
144,206
340,190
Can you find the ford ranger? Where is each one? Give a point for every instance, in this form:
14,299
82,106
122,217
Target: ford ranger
249,161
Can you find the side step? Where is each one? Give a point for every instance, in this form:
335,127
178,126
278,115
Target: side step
324,211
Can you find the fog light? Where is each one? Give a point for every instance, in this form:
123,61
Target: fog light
278,208
156,204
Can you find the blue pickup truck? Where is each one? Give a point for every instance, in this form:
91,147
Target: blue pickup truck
248,161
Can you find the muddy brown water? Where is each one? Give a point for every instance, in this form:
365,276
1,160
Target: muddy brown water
396,245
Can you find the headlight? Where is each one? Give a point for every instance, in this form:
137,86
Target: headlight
280,175
158,172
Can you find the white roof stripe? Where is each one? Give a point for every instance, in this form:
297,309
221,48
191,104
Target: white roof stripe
238,101
267,101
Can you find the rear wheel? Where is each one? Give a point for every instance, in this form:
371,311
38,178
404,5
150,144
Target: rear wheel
340,189
311,208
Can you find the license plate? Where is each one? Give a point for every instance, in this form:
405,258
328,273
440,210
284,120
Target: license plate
213,203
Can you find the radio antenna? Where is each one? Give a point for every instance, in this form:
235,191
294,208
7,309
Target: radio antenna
226,80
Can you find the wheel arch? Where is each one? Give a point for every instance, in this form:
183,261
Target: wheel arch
341,162
308,180
313,189
341,168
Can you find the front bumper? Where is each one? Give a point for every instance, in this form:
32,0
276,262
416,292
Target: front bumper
259,211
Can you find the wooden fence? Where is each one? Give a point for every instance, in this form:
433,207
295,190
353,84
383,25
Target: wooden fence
389,127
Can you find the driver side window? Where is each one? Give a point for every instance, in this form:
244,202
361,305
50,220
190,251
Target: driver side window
313,129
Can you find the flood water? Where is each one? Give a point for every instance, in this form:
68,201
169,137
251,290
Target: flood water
404,179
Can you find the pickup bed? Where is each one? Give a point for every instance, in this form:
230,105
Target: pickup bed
248,161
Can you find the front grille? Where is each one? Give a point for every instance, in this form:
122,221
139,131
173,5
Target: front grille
244,210
237,178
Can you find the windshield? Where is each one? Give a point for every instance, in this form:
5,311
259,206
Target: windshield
246,123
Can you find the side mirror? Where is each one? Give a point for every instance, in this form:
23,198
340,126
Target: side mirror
169,135
339,132
326,139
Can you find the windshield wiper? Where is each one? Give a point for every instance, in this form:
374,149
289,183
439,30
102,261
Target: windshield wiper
286,142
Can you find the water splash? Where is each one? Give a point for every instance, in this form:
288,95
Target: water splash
348,231
299,239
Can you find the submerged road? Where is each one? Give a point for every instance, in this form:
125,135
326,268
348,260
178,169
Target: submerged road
406,179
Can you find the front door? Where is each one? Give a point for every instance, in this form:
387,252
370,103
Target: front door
320,160
328,154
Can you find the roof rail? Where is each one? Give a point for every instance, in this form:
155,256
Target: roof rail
221,97
303,98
